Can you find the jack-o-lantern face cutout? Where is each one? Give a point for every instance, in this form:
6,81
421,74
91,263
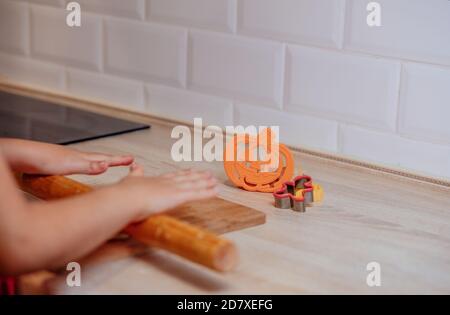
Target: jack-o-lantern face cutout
258,163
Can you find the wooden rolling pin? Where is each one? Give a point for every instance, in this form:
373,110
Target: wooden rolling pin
162,231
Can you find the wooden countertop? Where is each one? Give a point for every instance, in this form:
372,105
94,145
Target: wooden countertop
367,215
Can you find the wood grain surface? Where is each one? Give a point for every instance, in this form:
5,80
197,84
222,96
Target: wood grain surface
218,215
366,216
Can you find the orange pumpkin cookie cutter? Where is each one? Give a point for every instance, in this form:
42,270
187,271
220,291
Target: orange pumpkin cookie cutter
252,174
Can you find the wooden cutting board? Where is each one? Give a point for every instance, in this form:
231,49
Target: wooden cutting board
219,215
216,215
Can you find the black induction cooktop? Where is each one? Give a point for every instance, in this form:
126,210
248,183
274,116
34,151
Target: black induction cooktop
28,118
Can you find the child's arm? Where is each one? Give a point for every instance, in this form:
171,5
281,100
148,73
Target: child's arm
43,235
48,159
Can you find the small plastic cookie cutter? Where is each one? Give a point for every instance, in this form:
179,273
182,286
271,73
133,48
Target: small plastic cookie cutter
249,174
298,194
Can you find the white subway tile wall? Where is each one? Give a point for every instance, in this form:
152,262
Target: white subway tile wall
121,8
14,27
184,106
57,3
236,67
118,91
314,67
213,15
295,130
148,52
80,47
411,29
425,103
357,89
33,72
394,150
315,22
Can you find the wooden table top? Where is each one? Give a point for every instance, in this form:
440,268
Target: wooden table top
366,216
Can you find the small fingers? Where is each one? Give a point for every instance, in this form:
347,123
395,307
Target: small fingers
112,160
198,183
198,194
190,185
82,166
185,175
122,160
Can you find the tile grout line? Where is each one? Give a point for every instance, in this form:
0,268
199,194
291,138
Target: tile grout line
399,99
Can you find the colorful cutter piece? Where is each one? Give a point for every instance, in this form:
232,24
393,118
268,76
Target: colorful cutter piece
249,174
298,194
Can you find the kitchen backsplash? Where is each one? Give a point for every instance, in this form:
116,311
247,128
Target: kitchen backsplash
313,67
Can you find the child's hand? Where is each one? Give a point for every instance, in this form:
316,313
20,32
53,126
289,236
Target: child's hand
48,159
157,194
76,162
